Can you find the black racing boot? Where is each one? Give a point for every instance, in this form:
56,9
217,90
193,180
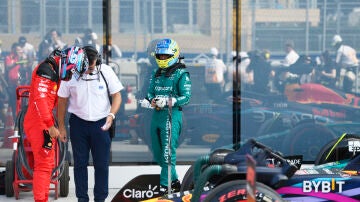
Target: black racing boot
163,190
175,186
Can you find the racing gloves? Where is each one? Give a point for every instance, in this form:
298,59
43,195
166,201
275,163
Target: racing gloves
145,103
161,102
47,145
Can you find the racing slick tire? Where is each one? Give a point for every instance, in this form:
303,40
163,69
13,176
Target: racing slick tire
338,153
236,191
64,180
9,179
188,180
306,139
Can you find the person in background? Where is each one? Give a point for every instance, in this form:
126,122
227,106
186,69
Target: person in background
214,75
91,39
113,52
88,39
291,55
91,116
290,58
260,69
51,41
39,122
29,50
347,64
327,71
170,86
16,72
56,41
246,77
44,47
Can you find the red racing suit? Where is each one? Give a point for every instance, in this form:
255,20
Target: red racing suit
39,117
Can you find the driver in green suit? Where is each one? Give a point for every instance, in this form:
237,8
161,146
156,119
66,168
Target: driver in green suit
170,84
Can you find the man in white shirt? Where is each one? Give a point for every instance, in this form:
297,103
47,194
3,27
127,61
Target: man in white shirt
29,50
346,62
291,55
214,75
91,115
246,78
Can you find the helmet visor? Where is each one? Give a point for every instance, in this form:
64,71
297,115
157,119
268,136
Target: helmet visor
163,56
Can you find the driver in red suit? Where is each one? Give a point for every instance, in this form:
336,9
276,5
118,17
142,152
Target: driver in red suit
39,123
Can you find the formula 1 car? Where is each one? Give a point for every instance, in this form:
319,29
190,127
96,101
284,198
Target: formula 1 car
286,123
221,175
302,120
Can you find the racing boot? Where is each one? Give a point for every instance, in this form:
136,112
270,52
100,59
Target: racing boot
163,190
175,186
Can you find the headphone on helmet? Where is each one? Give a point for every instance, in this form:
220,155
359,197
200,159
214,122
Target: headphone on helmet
51,58
92,50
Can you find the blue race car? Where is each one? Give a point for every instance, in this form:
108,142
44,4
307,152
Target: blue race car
221,176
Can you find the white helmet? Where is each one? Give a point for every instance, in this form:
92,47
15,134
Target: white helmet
214,51
94,36
336,39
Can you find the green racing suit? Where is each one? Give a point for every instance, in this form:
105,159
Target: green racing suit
173,81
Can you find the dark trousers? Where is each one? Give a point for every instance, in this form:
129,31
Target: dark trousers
87,136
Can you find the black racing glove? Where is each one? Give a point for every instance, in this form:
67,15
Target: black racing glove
47,140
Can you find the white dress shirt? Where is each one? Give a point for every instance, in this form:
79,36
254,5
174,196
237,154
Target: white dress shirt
88,99
346,56
291,58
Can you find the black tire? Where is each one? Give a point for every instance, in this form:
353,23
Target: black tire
340,152
9,179
306,139
263,192
188,180
64,180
